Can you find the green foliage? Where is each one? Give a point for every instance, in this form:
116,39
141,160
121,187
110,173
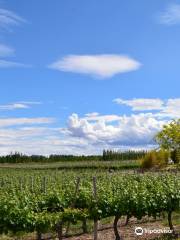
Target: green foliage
148,160
175,155
22,209
109,155
169,138
155,159
22,158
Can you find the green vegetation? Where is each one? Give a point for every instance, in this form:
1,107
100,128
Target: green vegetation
107,156
169,139
22,158
79,165
32,200
46,194
155,159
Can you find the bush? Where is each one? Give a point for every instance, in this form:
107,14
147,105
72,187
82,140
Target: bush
175,155
155,159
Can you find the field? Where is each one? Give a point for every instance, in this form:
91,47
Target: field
78,165
65,199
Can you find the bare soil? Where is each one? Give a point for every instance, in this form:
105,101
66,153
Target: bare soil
106,232
128,232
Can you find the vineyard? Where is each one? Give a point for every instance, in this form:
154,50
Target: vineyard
53,201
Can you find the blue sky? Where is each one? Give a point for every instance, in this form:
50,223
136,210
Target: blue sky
79,76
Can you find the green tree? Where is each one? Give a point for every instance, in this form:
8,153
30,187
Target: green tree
169,138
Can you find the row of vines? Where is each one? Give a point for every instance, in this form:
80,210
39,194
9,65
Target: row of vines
48,204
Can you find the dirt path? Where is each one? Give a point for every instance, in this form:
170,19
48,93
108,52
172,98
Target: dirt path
127,232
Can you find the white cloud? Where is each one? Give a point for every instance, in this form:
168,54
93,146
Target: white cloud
5,122
13,106
9,19
9,64
31,102
166,108
41,140
18,105
92,114
81,136
125,131
141,104
171,109
97,117
6,51
89,134
171,15
101,66
129,130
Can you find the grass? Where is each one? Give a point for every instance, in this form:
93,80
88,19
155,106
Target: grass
115,165
175,219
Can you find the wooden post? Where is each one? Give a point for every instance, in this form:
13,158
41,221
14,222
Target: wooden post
95,220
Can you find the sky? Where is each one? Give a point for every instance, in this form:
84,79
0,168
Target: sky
77,77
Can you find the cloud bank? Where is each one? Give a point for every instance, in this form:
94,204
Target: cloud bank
90,133
128,130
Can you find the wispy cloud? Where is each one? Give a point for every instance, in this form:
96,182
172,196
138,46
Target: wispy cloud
6,51
100,66
9,64
171,15
165,108
171,108
41,140
5,122
18,105
31,102
141,104
9,19
13,106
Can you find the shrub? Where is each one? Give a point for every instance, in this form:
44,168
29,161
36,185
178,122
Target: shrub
155,159
175,155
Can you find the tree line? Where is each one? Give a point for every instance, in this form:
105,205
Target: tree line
108,155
